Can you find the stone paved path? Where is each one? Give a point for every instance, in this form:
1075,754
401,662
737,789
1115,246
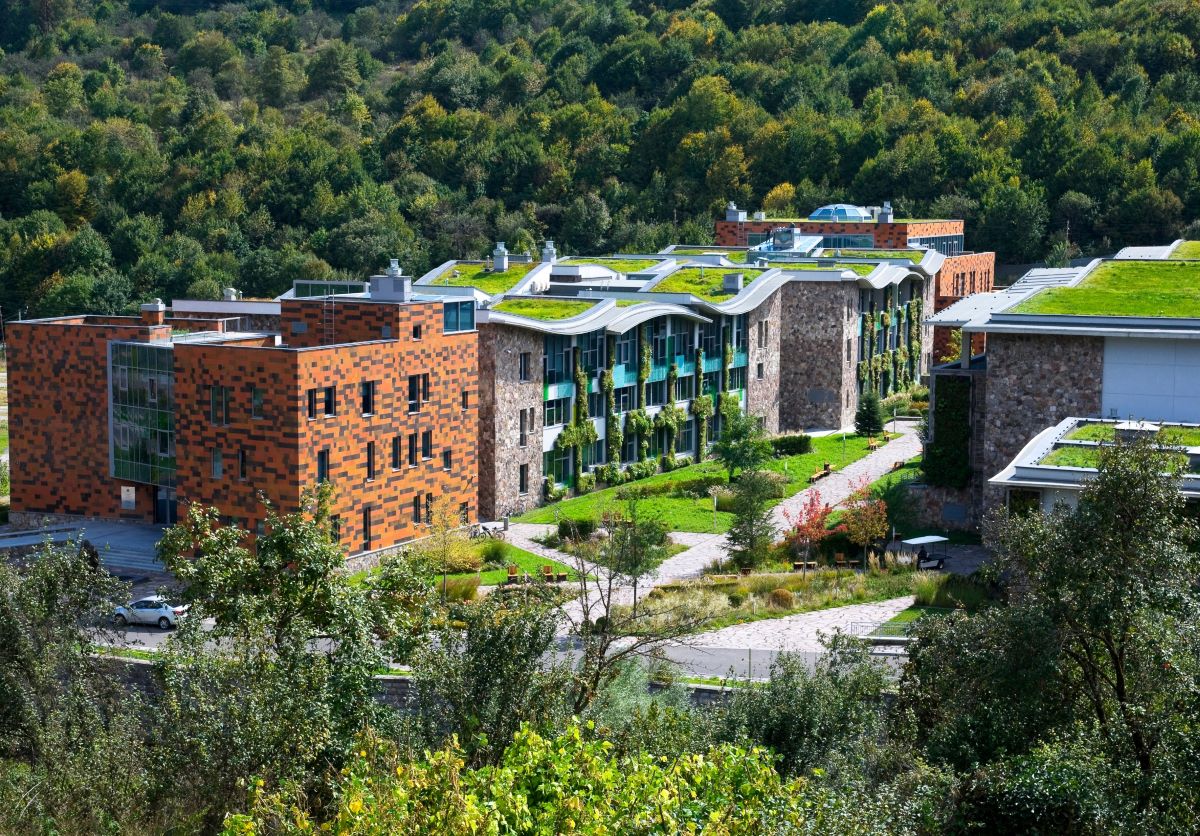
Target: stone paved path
802,632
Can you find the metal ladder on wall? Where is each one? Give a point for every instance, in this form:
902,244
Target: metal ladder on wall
329,320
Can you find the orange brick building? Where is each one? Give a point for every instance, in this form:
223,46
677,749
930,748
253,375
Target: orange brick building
117,417
855,227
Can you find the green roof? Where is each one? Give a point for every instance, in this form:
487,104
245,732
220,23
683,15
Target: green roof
1125,288
1188,249
911,255
628,303
621,265
857,268
478,275
547,308
704,282
737,256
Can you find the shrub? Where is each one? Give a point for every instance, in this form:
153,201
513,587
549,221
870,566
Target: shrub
611,474
553,492
781,599
698,485
461,589
641,470
792,445
494,553
725,500
576,530
585,483
736,598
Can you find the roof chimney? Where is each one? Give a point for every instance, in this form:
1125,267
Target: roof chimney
733,282
154,313
732,213
548,252
393,267
500,258
885,214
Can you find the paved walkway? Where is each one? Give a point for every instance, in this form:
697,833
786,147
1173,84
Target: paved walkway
802,632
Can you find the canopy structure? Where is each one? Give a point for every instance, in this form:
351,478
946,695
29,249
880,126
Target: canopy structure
927,540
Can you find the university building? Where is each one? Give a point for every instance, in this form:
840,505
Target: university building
851,229
226,403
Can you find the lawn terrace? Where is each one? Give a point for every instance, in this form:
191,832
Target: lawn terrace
703,282
480,275
544,308
1124,288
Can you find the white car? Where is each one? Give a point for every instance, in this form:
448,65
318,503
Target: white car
153,610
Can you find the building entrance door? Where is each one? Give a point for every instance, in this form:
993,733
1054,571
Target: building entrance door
165,509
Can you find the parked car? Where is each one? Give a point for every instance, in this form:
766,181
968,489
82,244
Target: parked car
153,610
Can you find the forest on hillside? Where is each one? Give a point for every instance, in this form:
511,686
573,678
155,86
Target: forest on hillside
171,148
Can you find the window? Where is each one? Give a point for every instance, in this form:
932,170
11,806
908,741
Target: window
418,391
331,400
557,412
593,455
737,378
758,372
523,479
625,399
370,460
427,444
458,316
684,336
592,345
763,331
416,331
659,339
849,349
524,360
218,404
312,403
466,399
447,458
556,464
257,398
710,338
627,348
335,528
741,339
656,393
218,466
368,397
685,443
395,452
556,364
685,387
629,448
428,508
712,382
417,508
523,435
367,528
323,466
242,463
595,404
412,449
152,390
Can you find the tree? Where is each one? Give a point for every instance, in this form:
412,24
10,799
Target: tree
864,517
447,548
752,531
63,89
809,526
868,419
743,445
636,543
334,70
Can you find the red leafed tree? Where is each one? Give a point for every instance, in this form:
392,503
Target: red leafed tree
809,525
865,517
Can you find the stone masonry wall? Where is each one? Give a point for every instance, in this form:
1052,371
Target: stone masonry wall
762,395
502,396
817,383
1033,382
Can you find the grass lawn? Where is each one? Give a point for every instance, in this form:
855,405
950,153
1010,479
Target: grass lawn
911,255
478,275
1175,436
1125,288
547,309
704,282
3,437
524,561
1093,432
1188,249
736,256
1072,457
684,513
857,268
621,265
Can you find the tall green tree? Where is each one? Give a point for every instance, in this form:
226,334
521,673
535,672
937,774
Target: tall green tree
743,445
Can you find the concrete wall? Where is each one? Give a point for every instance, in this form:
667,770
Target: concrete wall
502,396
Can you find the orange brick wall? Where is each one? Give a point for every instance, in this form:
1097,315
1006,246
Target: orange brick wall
886,236
58,417
352,321
961,276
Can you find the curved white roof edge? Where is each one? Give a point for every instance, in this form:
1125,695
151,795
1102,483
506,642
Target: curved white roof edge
604,314
758,291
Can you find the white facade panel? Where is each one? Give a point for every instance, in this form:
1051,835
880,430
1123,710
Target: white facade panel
1150,379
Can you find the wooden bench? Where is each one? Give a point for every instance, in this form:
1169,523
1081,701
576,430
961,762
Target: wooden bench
548,573
820,474
872,444
897,465
803,565
839,561
562,577
513,577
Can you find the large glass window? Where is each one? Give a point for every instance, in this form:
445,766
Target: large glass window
625,398
626,348
592,346
684,338
685,442
458,316
142,413
944,244
557,411
710,338
685,387
659,340
737,378
852,242
593,455
556,464
557,362
629,448
656,393
740,336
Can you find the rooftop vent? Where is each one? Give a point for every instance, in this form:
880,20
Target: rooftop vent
549,254
230,294
499,258
760,216
393,267
734,214
885,214
1131,430
733,282
392,288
